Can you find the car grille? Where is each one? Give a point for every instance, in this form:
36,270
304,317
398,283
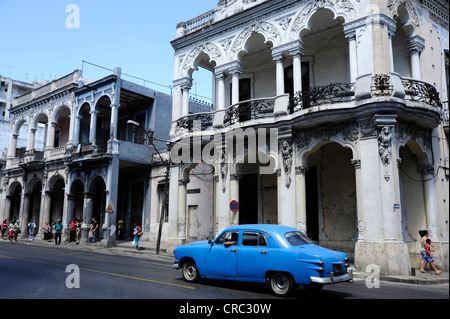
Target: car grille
338,269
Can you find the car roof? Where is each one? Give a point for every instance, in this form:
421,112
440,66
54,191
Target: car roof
271,228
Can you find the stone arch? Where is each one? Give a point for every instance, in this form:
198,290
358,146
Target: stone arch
313,147
18,124
14,199
39,118
420,145
331,199
343,10
405,12
102,117
415,175
56,114
270,33
206,51
83,114
76,193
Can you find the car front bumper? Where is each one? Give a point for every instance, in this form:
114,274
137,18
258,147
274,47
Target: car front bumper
332,279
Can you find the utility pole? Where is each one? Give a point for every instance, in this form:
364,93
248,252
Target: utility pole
166,163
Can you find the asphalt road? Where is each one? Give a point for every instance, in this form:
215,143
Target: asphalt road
36,272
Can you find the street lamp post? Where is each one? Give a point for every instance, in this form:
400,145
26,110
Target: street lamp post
166,163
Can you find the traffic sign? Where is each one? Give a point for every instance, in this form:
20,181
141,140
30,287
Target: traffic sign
234,206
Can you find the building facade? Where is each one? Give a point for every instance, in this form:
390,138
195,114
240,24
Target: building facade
329,116
91,163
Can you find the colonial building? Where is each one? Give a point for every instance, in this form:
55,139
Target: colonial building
90,163
328,117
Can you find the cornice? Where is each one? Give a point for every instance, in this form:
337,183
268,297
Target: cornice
240,20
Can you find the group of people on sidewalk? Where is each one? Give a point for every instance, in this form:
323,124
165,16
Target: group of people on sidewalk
425,250
13,228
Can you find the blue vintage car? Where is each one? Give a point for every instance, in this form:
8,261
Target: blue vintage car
280,255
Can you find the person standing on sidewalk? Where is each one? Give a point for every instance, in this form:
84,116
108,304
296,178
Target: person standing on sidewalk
31,226
4,228
11,231
94,230
16,230
58,232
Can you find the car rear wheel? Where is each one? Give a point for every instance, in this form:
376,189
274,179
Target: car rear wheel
190,271
281,284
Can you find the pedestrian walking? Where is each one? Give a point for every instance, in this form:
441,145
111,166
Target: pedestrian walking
16,230
31,226
428,258
423,241
137,232
4,228
73,229
78,230
11,231
94,230
47,229
58,232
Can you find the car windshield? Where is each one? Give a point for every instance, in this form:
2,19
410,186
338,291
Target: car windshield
296,238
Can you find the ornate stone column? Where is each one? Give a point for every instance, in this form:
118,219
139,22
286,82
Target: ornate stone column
220,77
182,200
352,54
234,195
12,145
415,45
296,51
93,127
300,197
429,194
279,59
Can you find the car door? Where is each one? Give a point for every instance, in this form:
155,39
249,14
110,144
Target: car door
220,259
252,255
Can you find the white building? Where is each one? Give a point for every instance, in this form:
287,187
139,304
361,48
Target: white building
354,92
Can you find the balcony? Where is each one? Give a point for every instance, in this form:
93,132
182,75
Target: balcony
388,93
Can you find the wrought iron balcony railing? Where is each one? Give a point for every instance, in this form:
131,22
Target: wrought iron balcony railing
188,122
419,91
249,110
331,93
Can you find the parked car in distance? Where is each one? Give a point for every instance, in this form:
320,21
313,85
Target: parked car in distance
282,256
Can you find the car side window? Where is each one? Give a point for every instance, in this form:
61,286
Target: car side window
228,237
253,239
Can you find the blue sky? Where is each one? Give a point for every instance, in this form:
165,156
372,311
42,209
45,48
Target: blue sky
36,44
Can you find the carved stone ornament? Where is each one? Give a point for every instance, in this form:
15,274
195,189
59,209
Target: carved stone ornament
384,145
286,152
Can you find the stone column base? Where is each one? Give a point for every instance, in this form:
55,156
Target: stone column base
173,243
391,258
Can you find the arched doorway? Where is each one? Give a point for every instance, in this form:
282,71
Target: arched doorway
77,190
331,197
98,188
258,193
85,123
103,122
34,209
57,201
413,175
15,199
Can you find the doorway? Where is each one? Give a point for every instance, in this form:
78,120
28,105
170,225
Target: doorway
248,198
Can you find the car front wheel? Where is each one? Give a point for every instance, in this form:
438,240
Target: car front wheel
281,284
190,271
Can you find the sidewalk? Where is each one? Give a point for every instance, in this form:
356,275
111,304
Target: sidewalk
148,250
